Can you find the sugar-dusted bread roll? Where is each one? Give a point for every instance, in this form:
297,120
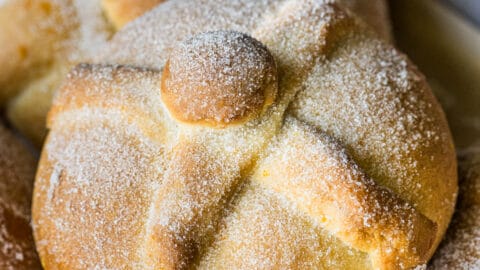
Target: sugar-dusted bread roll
44,39
456,83
17,169
461,246
41,40
245,135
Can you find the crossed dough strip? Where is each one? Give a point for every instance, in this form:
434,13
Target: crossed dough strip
372,99
120,176
41,40
315,173
188,208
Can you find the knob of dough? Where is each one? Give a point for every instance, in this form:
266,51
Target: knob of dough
219,78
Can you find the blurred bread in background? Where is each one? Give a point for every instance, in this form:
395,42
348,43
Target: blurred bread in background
461,247
41,40
17,171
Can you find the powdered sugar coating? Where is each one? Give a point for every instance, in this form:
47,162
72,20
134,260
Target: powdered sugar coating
261,215
208,202
461,247
218,78
174,21
353,91
42,40
17,167
85,193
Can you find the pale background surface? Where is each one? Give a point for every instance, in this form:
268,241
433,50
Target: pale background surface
446,48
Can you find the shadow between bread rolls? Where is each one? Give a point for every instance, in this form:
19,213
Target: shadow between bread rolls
319,146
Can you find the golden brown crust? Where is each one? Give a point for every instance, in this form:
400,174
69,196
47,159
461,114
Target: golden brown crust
374,13
349,107
120,12
461,247
29,30
42,40
17,167
316,174
219,78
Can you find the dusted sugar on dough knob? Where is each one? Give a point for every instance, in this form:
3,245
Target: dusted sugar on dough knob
345,162
219,78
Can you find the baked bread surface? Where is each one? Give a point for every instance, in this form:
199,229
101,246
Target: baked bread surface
351,166
17,171
41,40
461,247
